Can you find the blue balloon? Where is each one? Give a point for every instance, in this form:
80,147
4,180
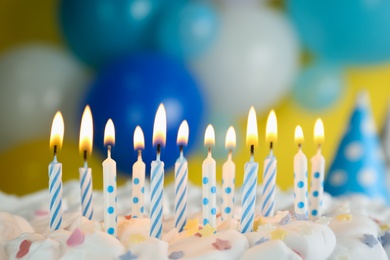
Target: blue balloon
130,90
186,29
98,31
319,86
347,30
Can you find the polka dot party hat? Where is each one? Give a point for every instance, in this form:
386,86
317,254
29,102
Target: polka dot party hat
359,165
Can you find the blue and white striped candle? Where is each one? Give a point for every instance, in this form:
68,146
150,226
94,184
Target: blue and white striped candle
228,176
300,178
250,177
85,146
138,177
209,189
269,173
157,175
109,182
181,179
55,173
317,173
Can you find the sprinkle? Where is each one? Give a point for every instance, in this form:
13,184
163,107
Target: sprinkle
128,256
301,217
344,217
207,231
278,234
191,224
285,219
385,239
41,213
128,217
323,220
258,222
384,227
23,248
76,238
137,238
221,244
176,255
369,240
261,241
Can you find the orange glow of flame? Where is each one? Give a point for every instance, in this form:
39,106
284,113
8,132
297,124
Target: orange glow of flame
160,126
57,131
299,135
319,132
271,130
182,135
251,129
86,131
109,133
138,139
230,140
209,136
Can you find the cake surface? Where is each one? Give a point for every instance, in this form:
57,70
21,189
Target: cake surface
351,228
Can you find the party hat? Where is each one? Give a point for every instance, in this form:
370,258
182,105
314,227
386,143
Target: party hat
359,165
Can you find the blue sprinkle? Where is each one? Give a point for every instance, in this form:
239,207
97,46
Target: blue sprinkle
135,200
205,201
136,181
301,205
213,189
228,190
314,212
316,175
228,210
205,180
110,210
205,221
110,189
315,193
142,209
213,211
300,184
111,231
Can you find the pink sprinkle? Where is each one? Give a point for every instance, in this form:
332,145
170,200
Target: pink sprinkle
76,238
128,217
23,248
198,235
41,212
298,253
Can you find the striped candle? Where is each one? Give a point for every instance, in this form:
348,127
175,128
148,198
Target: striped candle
300,177
269,179
156,200
55,173
55,189
86,191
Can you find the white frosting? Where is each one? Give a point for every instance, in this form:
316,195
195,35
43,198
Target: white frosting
274,249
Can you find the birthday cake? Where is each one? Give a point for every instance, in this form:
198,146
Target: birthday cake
352,227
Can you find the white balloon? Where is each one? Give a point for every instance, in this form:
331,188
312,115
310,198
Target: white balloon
253,61
35,81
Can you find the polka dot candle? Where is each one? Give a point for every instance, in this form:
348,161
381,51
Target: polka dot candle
109,183
228,177
138,185
300,177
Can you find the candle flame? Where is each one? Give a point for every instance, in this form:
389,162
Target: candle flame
182,135
271,132
299,135
319,132
160,126
138,139
230,140
57,131
86,131
251,129
109,133
209,136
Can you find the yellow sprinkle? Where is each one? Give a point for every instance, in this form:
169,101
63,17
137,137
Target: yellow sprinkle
278,234
191,224
258,222
137,238
344,217
207,231
191,232
384,227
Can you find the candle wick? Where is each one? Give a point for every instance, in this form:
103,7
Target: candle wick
181,150
85,156
140,154
109,151
55,150
209,151
158,152
300,146
252,150
271,145
230,154
319,148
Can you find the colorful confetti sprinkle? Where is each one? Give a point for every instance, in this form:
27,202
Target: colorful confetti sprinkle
24,248
76,238
221,244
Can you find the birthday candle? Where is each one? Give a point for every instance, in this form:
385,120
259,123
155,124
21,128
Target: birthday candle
269,173
138,177
55,173
109,182
317,173
209,189
228,176
300,178
181,178
85,146
250,177
157,174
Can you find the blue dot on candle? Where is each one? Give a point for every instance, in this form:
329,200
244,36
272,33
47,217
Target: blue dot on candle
110,189
205,221
142,209
110,210
136,181
205,201
301,204
315,193
135,200
213,189
205,180
300,184
111,231
228,210
213,211
116,219
116,199
314,212
228,190
143,189
316,175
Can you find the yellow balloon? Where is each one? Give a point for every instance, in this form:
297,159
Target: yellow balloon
24,168
28,21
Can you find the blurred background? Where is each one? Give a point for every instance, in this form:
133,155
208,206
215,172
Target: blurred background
207,61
